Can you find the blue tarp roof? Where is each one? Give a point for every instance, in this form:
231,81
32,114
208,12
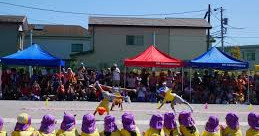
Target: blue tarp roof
32,56
217,59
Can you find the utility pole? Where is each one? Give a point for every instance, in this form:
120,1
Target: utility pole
154,38
222,28
208,35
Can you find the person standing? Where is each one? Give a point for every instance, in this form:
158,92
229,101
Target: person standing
115,75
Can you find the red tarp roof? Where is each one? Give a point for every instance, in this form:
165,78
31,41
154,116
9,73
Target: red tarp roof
153,57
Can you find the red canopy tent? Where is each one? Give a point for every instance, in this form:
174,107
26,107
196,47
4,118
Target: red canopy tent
152,57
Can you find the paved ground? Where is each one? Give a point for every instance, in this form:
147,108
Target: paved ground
142,111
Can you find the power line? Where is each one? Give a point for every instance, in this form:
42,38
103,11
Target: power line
242,37
90,14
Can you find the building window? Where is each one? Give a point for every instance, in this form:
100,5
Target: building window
135,39
250,56
77,48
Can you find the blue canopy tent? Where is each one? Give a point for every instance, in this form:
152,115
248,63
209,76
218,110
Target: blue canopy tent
33,56
217,59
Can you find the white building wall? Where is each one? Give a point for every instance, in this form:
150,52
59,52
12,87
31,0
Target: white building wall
60,47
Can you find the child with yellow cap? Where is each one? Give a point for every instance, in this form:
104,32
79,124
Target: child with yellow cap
23,126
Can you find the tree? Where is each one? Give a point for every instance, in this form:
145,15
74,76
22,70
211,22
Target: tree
235,52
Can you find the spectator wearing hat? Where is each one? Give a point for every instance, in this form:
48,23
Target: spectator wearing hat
47,127
129,125
68,126
187,124
170,125
89,126
110,127
23,126
2,131
212,127
233,128
253,122
156,126
171,97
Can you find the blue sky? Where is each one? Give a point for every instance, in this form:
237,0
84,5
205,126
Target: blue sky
242,14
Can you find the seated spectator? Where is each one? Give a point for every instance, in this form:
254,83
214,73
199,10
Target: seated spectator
187,124
129,125
68,126
212,127
25,92
110,127
88,126
23,126
233,128
61,91
170,125
155,126
47,127
2,131
36,90
253,122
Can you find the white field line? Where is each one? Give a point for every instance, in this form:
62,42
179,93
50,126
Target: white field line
130,110
100,122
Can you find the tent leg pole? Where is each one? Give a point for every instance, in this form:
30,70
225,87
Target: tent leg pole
248,90
125,70
182,79
190,84
59,73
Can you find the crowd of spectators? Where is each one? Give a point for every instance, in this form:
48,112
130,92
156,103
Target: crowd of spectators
208,87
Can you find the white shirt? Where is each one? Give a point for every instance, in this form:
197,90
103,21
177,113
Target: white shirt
116,74
141,92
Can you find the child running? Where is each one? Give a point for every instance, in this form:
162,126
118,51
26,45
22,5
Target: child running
172,97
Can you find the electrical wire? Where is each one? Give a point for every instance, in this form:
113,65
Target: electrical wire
91,14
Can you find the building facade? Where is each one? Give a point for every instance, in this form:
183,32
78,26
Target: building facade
60,40
12,32
115,39
250,53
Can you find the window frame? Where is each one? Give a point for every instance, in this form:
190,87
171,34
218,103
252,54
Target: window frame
78,49
135,40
